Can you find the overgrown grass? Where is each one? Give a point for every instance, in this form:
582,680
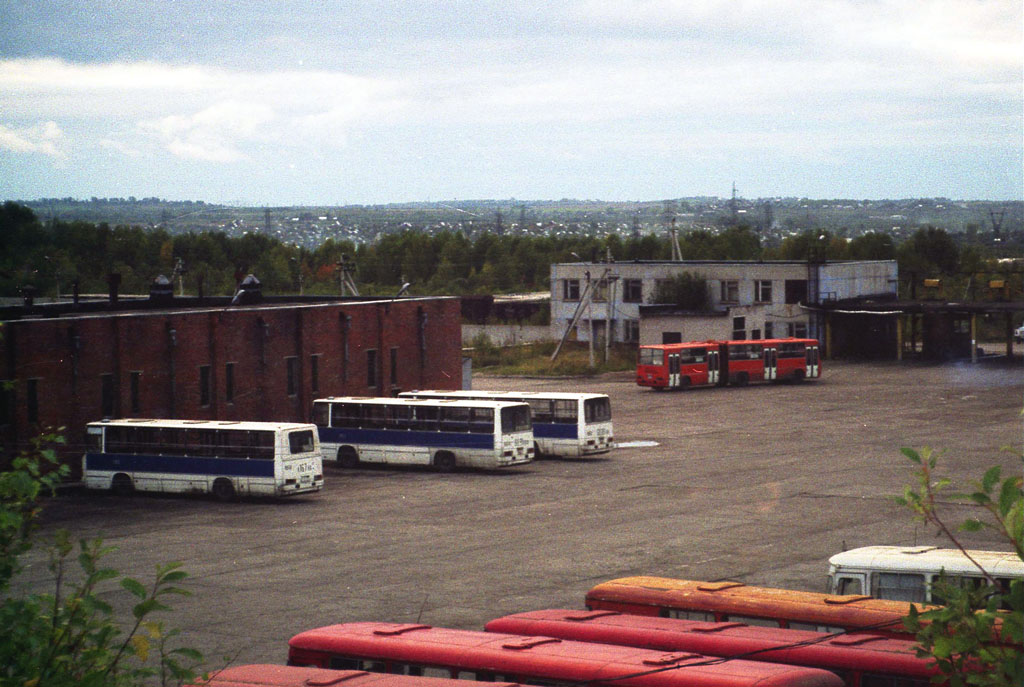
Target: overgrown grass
535,359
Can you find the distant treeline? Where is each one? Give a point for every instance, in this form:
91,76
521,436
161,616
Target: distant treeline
54,256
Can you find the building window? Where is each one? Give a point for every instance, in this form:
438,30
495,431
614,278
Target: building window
631,334
763,291
6,402
796,291
394,367
769,330
671,337
797,330
107,395
600,290
134,379
739,328
291,370
730,291
314,373
632,291
32,399
755,334
204,385
229,382
371,368
570,289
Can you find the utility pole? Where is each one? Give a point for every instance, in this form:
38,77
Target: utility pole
345,267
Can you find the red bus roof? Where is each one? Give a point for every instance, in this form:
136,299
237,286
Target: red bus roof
648,595
543,658
267,675
794,647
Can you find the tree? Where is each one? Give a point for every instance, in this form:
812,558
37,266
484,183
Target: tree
970,639
685,290
72,636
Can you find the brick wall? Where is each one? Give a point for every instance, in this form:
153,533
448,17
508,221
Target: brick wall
265,362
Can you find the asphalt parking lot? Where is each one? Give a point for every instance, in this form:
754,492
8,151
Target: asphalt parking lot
759,484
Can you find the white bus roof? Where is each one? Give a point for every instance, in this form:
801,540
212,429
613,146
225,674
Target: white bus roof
927,559
201,424
553,395
439,402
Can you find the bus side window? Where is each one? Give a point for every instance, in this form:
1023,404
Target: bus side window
454,419
541,410
565,411
425,419
429,671
484,677
261,445
848,585
343,663
899,586
321,414
481,420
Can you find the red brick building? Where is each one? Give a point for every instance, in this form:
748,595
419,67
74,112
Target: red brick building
210,359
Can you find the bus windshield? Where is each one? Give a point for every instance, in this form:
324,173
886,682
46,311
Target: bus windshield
515,419
597,409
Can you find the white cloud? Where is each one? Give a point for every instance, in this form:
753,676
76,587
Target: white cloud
43,139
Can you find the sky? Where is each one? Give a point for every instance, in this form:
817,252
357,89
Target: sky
282,102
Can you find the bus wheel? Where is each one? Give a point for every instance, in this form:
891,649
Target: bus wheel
742,378
798,375
122,485
223,489
348,458
684,383
444,461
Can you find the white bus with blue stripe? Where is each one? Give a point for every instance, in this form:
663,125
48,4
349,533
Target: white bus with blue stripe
565,424
444,434
209,457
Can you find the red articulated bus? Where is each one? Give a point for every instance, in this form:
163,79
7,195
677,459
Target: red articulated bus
860,660
735,601
265,675
717,363
486,656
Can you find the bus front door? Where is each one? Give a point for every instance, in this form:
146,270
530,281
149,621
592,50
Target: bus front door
812,362
771,363
673,370
714,368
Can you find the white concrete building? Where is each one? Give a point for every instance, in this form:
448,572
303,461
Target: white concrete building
748,300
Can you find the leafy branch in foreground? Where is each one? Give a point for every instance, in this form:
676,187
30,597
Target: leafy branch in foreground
72,636
977,636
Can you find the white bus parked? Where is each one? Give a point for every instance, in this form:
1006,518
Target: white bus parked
441,433
222,458
565,424
907,573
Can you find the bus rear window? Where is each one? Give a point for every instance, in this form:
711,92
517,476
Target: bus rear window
597,409
301,441
651,356
515,419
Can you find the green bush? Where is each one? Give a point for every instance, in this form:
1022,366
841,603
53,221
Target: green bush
72,636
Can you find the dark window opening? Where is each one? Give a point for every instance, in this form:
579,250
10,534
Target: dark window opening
371,368
32,399
394,367
204,385
796,291
229,382
291,369
314,373
134,379
671,337
107,395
